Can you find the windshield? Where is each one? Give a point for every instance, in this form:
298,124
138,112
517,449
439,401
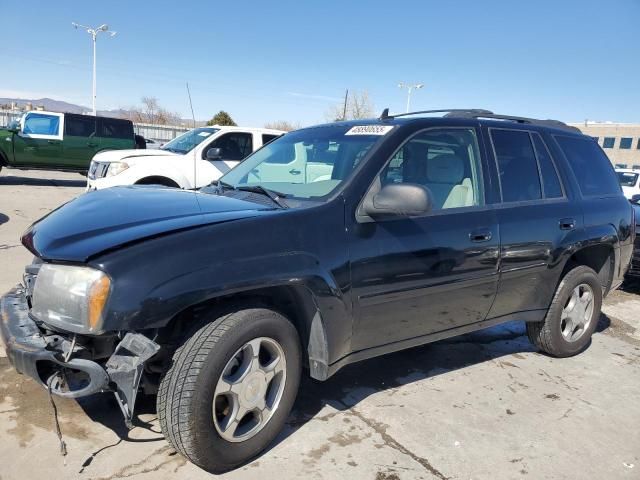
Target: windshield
187,141
627,179
308,163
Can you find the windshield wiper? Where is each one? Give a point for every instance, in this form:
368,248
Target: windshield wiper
272,194
222,185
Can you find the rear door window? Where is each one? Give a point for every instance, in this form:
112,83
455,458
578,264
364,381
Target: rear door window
79,126
550,179
517,165
114,128
590,165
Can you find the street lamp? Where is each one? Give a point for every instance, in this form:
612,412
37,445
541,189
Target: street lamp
94,33
409,89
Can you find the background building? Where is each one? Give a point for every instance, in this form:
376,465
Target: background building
620,141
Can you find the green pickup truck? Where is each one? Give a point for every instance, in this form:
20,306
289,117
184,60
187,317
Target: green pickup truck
61,141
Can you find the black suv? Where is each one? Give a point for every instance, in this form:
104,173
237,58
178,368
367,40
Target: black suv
329,245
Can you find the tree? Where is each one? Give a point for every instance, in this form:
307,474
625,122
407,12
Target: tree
151,112
283,125
222,119
359,106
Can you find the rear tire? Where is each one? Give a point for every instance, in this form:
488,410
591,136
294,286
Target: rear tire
191,409
572,316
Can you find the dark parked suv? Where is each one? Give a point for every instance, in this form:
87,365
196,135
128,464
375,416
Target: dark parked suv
387,233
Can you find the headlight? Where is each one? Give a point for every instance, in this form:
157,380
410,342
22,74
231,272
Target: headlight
116,167
71,298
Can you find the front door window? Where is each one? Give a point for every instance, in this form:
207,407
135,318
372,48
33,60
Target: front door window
40,125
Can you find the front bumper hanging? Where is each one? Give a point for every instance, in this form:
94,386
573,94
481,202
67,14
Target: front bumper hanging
42,357
27,349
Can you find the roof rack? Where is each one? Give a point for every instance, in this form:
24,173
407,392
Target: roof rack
462,111
481,113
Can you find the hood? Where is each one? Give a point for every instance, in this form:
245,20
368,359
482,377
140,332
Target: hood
119,155
107,219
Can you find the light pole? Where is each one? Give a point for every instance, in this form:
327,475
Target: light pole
94,34
409,89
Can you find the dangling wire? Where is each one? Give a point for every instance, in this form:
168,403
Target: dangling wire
63,445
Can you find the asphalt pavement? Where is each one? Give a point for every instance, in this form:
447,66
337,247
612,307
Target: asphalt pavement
480,406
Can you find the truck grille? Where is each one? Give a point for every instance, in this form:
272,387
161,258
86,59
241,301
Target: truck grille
98,170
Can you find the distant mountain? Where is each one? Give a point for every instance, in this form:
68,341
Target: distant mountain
65,107
48,104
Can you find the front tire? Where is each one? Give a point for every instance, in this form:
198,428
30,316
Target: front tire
230,388
572,316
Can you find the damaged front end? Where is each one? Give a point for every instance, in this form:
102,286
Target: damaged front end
73,365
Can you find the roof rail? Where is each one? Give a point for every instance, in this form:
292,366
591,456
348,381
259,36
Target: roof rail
481,113
462,111
512,118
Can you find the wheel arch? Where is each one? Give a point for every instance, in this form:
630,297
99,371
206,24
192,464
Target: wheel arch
4,160
598,250
141,170
158,180
296,302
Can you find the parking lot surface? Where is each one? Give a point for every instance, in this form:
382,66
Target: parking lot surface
480,406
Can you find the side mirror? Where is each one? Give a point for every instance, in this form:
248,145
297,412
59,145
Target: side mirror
400,200
14,127
635,199
214,154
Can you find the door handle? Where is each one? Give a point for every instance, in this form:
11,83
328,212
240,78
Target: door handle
293,171
567,224
480,235
52,142
91,145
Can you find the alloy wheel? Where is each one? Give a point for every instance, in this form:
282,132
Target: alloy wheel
249,390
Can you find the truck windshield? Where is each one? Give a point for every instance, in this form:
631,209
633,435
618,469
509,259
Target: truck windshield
627,179
309,163
188,141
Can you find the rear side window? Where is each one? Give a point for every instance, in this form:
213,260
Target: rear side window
590,165
266,138
113,128
517,165
79,126
548,172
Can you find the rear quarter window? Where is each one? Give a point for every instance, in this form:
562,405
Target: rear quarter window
591,167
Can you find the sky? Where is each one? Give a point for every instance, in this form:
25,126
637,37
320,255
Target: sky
292,60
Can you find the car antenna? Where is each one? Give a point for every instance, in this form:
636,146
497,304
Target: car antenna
195,182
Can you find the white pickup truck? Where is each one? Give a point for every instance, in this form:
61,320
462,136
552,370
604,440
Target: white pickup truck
192,160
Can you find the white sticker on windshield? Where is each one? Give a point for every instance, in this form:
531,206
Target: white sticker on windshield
204,134
369,130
